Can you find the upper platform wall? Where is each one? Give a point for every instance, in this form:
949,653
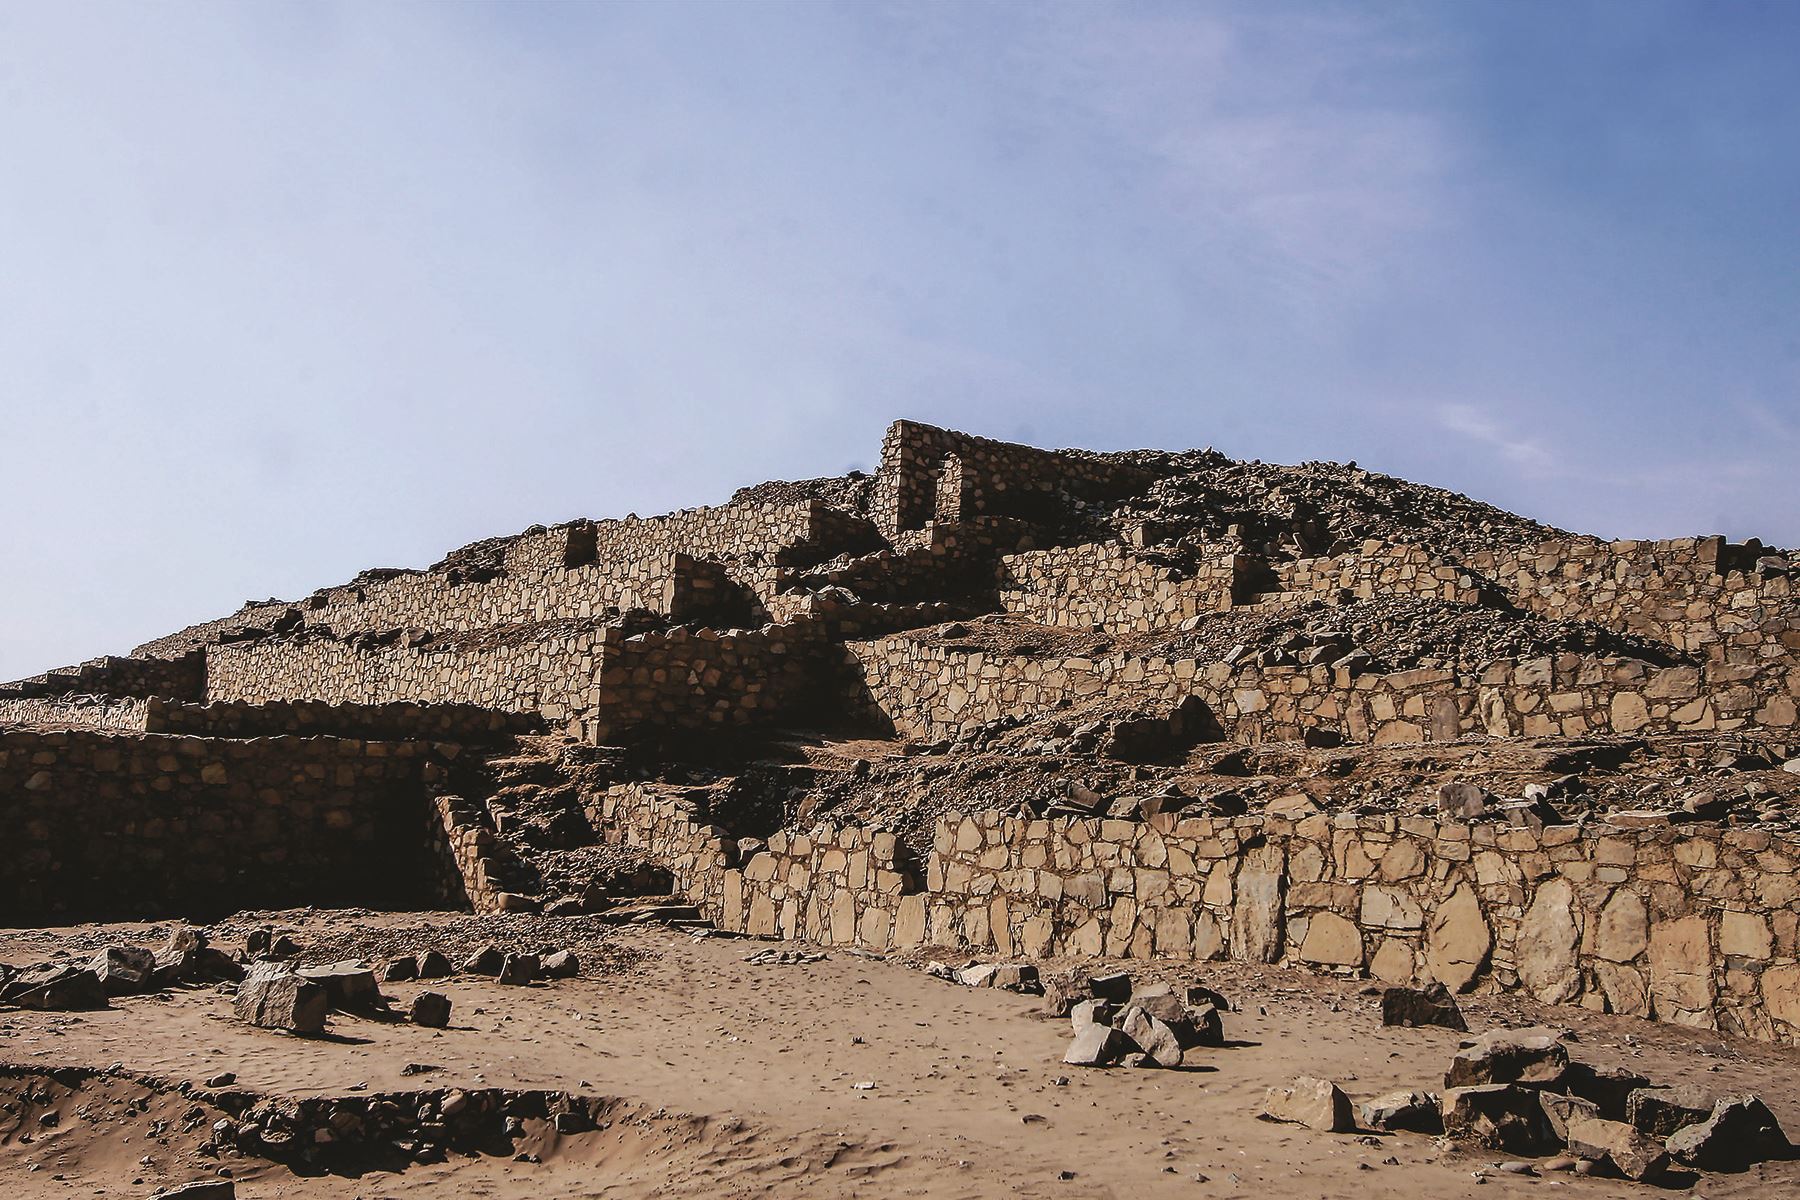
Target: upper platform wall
929,474
669,564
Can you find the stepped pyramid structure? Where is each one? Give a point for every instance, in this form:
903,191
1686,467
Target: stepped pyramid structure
1144,704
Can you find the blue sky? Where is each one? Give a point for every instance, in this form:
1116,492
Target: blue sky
290,290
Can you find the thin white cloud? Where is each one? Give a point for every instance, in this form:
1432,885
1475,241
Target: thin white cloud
1471,422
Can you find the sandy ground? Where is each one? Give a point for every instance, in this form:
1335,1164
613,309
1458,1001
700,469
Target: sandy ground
736,1079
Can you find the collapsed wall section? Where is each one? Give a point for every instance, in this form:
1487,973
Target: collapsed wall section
105,826
699,562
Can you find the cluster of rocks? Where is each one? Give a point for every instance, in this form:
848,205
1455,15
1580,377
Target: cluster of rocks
1308,508
1117,1024
1399,633
1019,977
1520,1092
119,970
276,995
419,1126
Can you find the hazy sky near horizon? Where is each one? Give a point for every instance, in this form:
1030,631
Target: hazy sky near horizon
291,290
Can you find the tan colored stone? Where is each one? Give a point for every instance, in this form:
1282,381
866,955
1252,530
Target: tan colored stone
1781,993
1332,941
1681,984
1393,962
1745,935
1459,942
1624,931
1544,950
1256,920
909,922
1623,989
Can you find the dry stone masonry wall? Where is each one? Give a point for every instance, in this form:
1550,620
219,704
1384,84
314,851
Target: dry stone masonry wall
138,826
935,691
803,603
1700,926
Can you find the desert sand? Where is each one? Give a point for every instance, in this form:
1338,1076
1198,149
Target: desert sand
852,1075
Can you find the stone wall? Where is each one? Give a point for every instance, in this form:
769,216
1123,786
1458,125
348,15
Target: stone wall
1701,595
929,474
569,572
182,677
658,582
933,691
108,826
1104,584
594,679
238,719
1692,924
697,679
551,669
1379,569
473,866
76,712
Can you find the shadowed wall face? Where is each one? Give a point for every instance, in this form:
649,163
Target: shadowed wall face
125,827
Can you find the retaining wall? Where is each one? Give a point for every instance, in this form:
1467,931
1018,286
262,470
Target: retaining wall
933,692
1701,595
107,826
591,678
1691,924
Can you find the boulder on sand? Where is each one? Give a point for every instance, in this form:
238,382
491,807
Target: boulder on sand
1501,1116
1414,1112
275,996
122,970
1315,1103
1154,1038
1629,1152
1098,1046
431,1009
1533,1057
1740,1132
60,988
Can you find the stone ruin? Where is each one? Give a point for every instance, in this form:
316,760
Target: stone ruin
1001,700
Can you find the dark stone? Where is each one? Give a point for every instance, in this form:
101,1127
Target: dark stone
1115,987
431,1009
486,961
55,988
350,985
401,969
1432,1005
201,1189
520,969
1740,1132
123,969
1412,1112
1608,1087
433,965
1500,1116
1661,1111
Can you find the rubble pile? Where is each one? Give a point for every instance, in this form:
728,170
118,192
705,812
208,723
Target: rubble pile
1522,1092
